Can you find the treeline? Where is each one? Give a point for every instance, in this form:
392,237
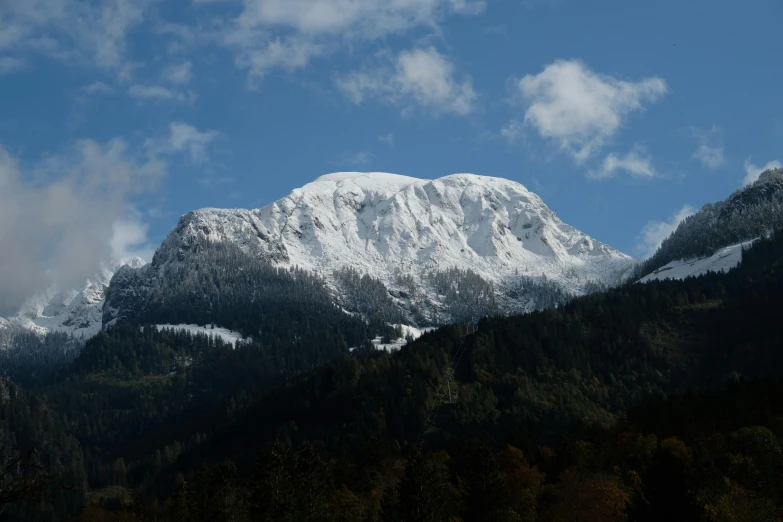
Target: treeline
748,213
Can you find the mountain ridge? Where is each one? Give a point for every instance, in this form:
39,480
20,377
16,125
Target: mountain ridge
407,232
748,213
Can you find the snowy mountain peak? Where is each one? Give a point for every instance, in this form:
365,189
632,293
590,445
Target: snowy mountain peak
366,180
398,228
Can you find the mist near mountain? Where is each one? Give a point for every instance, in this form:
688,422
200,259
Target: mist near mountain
60,219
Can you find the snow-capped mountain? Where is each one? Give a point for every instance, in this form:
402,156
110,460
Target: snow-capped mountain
403,232
73,311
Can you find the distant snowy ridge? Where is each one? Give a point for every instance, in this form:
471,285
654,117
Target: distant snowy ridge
721,261
401,230
74,311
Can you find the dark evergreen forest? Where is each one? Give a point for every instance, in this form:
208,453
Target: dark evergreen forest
643,402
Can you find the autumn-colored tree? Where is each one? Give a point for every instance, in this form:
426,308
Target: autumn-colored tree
738,504
522,481
590,499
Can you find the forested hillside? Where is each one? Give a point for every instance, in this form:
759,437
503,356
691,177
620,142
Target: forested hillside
217,282
42,475
371,435
704,457
748,213
30,359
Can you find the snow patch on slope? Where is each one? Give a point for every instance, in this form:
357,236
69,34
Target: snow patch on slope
396,344
228,336
721,261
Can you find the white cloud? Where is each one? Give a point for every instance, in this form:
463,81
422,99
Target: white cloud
710,152
288,54
580,109
159,93
9,64
512,131
186,139
422,76
179,74
289,33
59,228
711,157
387,139
78,31
654,232
637,162
129,239
752,172
98,87
366,18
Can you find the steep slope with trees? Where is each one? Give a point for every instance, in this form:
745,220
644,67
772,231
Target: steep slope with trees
748,213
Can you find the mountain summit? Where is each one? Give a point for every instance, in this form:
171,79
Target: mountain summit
424,241
382,224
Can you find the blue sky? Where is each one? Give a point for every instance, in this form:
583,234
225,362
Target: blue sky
118,116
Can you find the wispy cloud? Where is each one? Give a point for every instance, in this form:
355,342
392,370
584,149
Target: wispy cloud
159,93
654,232
356,159
183,138
188,139
710,151
387,139
421,77
97,88
9,64
579,109
512,131
637,163
179,74
288,34
74,31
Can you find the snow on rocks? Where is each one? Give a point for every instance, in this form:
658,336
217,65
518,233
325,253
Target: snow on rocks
398,228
